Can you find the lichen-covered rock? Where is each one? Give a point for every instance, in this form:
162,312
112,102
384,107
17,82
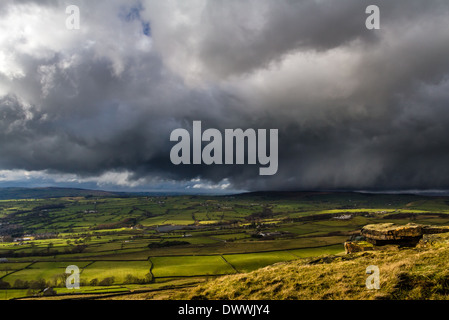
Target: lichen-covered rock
404,235
390,231
434,229
357,246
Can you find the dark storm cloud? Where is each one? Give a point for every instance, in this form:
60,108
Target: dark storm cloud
355,108
244,36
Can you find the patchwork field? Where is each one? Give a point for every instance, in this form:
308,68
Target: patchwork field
124,244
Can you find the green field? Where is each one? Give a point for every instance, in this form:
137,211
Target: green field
49,271
116,269
253,261
187,266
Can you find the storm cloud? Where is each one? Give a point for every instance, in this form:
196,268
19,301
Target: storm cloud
355,108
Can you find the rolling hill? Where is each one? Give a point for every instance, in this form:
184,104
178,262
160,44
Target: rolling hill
42,193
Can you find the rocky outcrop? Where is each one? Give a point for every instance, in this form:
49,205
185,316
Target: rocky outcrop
404,235
434,239
434,229
357,246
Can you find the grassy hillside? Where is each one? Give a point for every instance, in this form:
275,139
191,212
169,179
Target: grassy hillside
413,273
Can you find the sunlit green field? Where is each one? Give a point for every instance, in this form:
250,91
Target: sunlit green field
253,261
116,269
189,266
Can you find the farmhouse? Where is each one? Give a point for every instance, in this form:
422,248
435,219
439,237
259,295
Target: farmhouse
23,239
344,217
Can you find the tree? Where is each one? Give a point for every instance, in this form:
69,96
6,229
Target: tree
38,284
20,284
79,248
4,284
129,279
107,281
60,279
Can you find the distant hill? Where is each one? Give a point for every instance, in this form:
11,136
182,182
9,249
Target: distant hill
12,193
302,194
39,193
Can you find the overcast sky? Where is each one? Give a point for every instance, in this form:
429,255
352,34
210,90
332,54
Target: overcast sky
356,109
